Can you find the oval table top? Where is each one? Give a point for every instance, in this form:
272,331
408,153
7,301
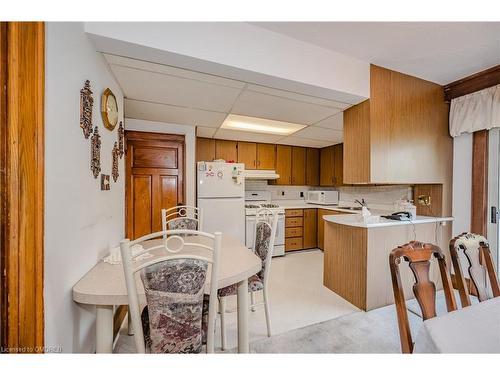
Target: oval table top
104,284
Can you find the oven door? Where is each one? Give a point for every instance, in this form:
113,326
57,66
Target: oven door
279,242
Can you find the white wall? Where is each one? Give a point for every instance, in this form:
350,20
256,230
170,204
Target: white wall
190,138
462,183
81,221
240,51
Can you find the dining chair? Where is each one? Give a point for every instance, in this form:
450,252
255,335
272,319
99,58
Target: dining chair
182,217
476,252
264,234
174,282
418,255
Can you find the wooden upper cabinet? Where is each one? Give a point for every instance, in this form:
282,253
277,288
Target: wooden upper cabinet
284,165
327,166
357,143
312,170
266,156
247,154
338,164
205,149
227,150
298,165
310,230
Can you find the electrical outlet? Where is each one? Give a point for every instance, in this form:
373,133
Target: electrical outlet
282,193
302,194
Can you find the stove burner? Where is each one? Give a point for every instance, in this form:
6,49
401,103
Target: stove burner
251,206
269,205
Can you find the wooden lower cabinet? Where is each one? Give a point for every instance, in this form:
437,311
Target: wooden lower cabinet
321,225
300,229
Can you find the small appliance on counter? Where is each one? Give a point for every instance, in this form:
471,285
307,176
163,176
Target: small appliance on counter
325,197
399,216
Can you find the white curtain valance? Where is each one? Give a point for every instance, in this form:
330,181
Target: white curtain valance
477,111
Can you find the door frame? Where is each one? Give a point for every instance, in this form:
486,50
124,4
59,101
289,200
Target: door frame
22,95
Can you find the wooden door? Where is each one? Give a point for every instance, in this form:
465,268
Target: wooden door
205,149
327,166
310,228
298,166
247,154
284,165
154,179
227,150
312,170
338,164
266,156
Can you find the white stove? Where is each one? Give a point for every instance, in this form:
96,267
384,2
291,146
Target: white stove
254,201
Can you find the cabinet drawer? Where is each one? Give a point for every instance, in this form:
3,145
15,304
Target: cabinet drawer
293,222
293,232
294,243
294,213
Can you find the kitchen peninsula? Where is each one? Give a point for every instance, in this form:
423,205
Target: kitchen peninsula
356,255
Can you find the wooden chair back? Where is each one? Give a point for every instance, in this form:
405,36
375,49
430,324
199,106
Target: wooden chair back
171,248
476,252
418,256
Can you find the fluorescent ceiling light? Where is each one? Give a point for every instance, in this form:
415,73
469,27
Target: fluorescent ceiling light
260,125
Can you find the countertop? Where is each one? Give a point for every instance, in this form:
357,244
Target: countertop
356,219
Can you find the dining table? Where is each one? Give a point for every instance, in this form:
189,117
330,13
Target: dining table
104,286
472,329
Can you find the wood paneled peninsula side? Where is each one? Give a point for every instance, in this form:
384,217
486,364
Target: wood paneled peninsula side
356,261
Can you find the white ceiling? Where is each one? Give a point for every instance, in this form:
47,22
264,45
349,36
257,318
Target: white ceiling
440,52
163,93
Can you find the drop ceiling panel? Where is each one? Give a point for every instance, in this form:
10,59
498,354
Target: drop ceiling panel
335,122
171,114
314,132
170,70
271,107
298,97
205,132
161,88
246,136
304,142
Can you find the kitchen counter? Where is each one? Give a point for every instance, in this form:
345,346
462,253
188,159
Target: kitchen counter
356,221
301,204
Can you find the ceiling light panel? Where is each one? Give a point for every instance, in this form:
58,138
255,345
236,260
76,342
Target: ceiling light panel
260,125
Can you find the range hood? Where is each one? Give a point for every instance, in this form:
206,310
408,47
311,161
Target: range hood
254,174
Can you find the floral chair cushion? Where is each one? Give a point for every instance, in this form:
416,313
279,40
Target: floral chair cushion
255,284
182,223
172,321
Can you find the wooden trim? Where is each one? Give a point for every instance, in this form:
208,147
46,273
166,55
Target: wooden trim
3,180
22,245
479,81
120,314
479,198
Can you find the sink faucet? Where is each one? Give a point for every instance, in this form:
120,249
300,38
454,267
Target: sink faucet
362,202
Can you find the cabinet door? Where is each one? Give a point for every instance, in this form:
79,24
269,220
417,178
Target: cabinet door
312,170
247,154
298,166
284,165
327,166
205,149
338,161
266,156
310,231
357,144
226,150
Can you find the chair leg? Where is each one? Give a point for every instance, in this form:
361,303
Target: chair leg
268,313
252,301
222,311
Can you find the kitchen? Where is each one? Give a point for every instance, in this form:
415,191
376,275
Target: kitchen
311,175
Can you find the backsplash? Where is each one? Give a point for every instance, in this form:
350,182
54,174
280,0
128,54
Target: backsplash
381,197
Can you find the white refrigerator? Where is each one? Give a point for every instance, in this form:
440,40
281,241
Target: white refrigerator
221,197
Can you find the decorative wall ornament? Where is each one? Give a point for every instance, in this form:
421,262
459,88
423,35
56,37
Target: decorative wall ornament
105,185
121,138
95,153
116,154
109,109
86,103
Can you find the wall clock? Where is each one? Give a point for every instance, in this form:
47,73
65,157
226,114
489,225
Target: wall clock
109,109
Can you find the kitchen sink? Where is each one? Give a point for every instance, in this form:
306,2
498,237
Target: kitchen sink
357,208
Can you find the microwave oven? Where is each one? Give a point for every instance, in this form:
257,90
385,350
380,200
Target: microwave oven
323,197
